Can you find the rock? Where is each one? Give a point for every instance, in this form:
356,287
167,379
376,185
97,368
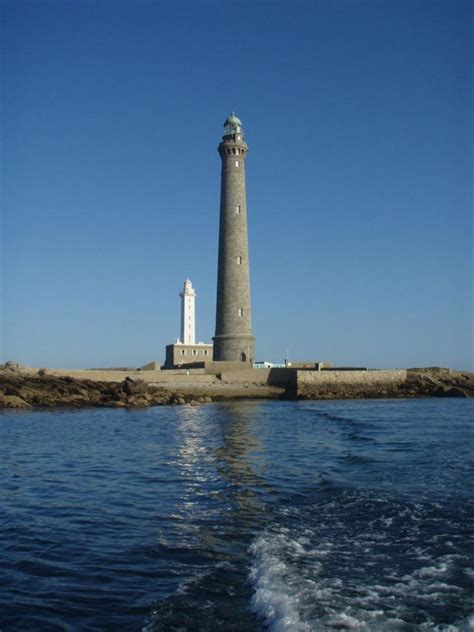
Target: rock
11,370
82,391
134,386
13,401
138,401
455,392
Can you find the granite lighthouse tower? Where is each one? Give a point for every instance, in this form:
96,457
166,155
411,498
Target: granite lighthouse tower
233,341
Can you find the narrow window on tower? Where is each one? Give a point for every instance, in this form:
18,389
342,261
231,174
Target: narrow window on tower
237,163
241,312
194,352
237,209
239,260
183,351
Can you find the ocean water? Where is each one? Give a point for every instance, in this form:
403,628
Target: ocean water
246,516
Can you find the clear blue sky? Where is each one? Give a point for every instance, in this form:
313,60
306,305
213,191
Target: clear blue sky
358,116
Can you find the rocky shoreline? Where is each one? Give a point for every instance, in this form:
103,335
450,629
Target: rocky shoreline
32,388
51,391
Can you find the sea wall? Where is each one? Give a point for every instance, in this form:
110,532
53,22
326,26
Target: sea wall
350,384
194,376
180,378
245,376
271,377
218,367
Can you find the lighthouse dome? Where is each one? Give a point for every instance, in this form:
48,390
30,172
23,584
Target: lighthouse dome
232,120
232,125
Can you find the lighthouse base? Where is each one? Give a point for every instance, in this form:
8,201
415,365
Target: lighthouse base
234,348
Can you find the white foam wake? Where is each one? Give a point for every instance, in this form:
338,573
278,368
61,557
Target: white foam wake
297,588
277,596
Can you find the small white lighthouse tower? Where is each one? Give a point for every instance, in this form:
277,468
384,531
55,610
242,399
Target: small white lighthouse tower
185,351
188,319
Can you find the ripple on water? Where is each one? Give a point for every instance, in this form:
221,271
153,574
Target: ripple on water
241,516
365,561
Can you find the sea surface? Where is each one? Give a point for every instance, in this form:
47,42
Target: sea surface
283,516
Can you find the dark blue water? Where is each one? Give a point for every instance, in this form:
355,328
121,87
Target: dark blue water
241,516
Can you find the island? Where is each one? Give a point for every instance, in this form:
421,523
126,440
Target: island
26,387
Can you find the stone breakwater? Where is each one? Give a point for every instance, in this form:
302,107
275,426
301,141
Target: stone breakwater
435,382
25,388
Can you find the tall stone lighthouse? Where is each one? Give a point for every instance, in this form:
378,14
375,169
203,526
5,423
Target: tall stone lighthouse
233,341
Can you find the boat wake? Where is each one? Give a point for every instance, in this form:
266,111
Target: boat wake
366,562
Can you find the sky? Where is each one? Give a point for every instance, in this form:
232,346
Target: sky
358,117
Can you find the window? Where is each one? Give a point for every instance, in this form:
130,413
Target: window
238,209
194,352
206,352
239,261
183,351
241,312
237,163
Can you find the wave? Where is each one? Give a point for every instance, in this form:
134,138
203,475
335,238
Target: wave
333,416
352,458
363,563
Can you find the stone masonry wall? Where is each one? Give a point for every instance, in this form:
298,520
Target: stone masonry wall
245,376
270,377
348,384
217,368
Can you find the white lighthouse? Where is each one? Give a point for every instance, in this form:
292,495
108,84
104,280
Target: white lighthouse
186,352
188,318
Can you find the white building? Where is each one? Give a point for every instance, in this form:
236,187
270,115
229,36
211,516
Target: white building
188,314
185,351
